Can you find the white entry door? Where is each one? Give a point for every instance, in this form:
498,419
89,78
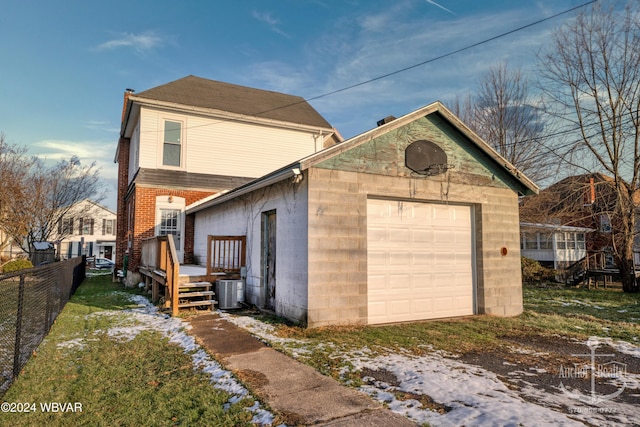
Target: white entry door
419,262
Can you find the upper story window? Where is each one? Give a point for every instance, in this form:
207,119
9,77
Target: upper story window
108,226
172,145
86,226
65,226
605,223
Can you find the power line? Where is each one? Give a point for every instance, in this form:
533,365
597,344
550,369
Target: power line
437,58
402,70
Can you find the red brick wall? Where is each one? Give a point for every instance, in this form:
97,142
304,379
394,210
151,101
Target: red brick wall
121,210
143,227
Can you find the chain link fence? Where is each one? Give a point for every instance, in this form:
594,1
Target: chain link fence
30,300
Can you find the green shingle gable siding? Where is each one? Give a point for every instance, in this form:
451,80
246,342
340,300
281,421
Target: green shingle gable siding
384,155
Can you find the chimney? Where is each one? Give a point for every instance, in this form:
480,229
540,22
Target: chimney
386,120
127,93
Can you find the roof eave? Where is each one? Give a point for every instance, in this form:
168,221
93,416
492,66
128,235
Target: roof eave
225,115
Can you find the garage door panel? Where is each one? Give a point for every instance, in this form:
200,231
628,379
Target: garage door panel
423,306
423,236
419,261
377,282
423,259
399,235
445,258
377,309
399,307
377,234
399,258
399,282
422,281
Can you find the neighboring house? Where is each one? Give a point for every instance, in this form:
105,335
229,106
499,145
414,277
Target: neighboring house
415,219
584,201
87,228
193,138
554,246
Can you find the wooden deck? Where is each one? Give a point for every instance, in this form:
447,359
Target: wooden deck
188,285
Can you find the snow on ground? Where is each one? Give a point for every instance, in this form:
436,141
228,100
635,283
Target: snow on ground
145,317
472,395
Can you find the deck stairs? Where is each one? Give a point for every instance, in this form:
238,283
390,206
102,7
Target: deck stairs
195,291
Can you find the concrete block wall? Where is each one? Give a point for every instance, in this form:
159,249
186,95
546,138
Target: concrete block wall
337,249
498,254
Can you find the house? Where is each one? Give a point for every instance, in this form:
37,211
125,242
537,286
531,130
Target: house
193,138
87,228
554,246
415,219
585,201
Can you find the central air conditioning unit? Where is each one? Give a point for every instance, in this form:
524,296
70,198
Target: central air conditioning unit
227,292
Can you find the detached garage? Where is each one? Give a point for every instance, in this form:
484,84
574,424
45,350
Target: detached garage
416,219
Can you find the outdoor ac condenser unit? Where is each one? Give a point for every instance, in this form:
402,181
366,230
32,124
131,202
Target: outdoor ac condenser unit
227,293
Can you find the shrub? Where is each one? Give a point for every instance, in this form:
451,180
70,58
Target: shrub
18,264
533,272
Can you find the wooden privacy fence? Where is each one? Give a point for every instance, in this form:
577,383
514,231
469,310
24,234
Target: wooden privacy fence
225,255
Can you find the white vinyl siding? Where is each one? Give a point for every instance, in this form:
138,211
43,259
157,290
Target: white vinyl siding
224,147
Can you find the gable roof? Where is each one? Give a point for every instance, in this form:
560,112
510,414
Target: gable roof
527,186
192,91
434,108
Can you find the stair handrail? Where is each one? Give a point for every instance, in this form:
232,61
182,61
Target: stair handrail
173,274
577,268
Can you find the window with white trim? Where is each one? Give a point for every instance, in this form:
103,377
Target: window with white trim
172,143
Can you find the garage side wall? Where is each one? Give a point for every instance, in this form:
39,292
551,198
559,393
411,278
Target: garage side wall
337,219
337,249
243,216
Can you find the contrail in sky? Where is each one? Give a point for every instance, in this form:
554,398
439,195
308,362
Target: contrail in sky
441,7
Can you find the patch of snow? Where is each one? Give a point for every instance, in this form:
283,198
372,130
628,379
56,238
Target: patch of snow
474,396
145,317
78,343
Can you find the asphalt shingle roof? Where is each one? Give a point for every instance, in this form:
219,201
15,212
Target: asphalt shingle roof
204,93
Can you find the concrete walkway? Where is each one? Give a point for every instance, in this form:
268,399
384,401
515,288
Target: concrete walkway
298,393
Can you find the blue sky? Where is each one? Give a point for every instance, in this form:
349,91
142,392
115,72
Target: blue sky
66,64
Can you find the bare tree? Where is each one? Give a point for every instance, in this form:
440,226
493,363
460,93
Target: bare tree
591,73
43,197
504,114
14,167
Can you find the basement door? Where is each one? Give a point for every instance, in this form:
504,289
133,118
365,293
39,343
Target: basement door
419,261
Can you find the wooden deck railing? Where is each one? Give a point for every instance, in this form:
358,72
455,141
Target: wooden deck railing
160,264
225,254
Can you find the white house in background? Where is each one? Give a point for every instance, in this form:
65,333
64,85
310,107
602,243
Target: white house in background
88,228
554,246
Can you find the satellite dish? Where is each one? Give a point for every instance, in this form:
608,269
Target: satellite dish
426,158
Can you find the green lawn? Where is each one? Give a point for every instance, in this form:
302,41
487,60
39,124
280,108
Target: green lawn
569,312
117,382
147,381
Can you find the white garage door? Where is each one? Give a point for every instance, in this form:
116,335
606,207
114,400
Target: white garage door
419,261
